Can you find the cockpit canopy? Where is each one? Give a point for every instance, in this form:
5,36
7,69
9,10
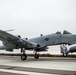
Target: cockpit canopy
64,32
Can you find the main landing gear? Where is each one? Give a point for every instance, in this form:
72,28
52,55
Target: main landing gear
64,50
36,56
24,56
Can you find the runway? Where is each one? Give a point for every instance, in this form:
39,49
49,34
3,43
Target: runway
13,65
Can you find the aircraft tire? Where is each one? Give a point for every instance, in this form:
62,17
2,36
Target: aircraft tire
23,56
66,54
63,55
36,56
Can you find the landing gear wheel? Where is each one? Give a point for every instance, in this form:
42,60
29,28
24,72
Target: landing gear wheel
65,54
23,56
36,56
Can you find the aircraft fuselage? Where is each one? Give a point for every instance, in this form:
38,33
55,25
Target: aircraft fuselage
54,39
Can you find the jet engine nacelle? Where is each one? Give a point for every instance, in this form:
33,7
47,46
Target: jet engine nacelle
72,49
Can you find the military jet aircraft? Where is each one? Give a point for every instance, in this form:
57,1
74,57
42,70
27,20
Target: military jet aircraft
38,44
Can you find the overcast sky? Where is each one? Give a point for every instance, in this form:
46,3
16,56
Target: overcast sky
30,18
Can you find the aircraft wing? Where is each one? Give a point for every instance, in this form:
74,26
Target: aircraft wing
9,38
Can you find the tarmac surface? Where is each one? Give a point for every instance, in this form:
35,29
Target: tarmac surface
13,65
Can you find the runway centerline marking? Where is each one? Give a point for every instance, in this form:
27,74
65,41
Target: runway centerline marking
24,72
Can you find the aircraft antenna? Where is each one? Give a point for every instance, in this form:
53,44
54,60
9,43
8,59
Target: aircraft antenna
10,30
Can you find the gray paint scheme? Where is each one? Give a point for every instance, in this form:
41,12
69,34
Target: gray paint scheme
11,42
